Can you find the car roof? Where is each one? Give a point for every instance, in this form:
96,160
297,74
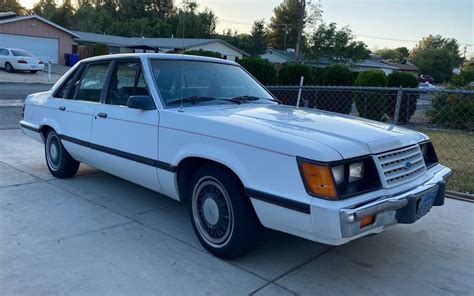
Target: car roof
161,56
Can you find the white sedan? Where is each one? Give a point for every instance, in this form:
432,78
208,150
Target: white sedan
203,131
12,59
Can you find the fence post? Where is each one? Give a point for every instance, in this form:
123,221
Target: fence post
49,70
299,92
398,106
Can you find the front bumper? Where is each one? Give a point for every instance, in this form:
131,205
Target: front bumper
385,208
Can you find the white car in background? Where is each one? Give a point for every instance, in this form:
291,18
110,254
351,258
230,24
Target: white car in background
13,59
203,131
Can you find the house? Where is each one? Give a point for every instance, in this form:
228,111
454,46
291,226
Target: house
407,68
37,35
278,57
118,44
50,41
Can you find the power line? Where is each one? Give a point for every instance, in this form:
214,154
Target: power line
402,40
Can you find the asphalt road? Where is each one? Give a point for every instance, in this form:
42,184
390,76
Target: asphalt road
19,91
96,234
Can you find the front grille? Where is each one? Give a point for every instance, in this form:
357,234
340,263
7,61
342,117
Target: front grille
400,166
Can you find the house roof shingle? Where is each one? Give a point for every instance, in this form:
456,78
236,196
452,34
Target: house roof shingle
168,43
9,18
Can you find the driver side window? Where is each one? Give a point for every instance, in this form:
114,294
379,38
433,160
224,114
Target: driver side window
127,80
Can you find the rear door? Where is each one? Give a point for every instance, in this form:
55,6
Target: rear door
125,140
74,104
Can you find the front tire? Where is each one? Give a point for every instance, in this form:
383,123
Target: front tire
60,162
221,214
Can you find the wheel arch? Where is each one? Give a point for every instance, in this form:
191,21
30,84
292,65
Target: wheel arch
190,164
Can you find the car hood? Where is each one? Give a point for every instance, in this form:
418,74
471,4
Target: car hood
297,130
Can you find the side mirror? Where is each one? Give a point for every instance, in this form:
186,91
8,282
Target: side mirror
141,103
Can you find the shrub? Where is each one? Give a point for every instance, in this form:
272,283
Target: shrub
409,100
371,105
101,49
454,111
335,101
260,68
204,53
290,74
463,79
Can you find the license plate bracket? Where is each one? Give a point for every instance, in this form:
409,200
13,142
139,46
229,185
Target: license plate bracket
417,207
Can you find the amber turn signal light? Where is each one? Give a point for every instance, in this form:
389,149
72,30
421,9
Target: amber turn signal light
319,180
366,221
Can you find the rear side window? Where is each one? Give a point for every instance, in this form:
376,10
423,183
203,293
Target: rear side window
3,52
90,87
21,53
126,80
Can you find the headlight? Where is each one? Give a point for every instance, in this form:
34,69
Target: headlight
429,154
356,172
341,179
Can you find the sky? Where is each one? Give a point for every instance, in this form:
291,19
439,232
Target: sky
405,20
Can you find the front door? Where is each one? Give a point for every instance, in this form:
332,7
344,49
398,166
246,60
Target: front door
125,140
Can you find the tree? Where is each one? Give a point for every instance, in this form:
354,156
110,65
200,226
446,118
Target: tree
402,53
258,37
284,25
191,23
45,8
437,62
12,6
388,54
437,56
327,41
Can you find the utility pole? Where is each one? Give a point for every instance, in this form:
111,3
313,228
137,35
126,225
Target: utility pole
300,29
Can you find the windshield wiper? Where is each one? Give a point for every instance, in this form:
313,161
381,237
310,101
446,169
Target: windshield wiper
253,98
197,99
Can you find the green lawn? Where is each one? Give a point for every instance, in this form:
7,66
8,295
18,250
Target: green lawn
455,149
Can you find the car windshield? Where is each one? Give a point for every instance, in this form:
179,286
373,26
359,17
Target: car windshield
21,53
200,82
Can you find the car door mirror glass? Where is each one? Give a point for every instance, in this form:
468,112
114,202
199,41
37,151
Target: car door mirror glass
141,102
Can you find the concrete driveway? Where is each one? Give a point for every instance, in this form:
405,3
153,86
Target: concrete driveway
96,234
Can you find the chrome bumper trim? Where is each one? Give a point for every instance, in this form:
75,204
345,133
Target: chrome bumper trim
391,203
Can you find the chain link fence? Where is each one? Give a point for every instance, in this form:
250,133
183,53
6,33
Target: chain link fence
446,116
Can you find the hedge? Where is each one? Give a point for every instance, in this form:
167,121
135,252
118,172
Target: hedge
204,53
454,111
371,105
409,100
261,69
290,74
101,49
335,101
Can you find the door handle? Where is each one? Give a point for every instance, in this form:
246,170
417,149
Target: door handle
102,115
62,108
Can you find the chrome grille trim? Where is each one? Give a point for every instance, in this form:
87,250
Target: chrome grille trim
393,169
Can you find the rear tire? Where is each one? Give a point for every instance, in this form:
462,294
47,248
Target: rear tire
60,162
221,213
9,68
33,71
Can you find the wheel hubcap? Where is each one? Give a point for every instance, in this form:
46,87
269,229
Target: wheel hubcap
212,212
53,152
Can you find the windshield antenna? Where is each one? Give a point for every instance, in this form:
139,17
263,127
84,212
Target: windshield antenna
185,7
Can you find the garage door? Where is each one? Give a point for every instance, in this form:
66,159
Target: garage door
45,48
